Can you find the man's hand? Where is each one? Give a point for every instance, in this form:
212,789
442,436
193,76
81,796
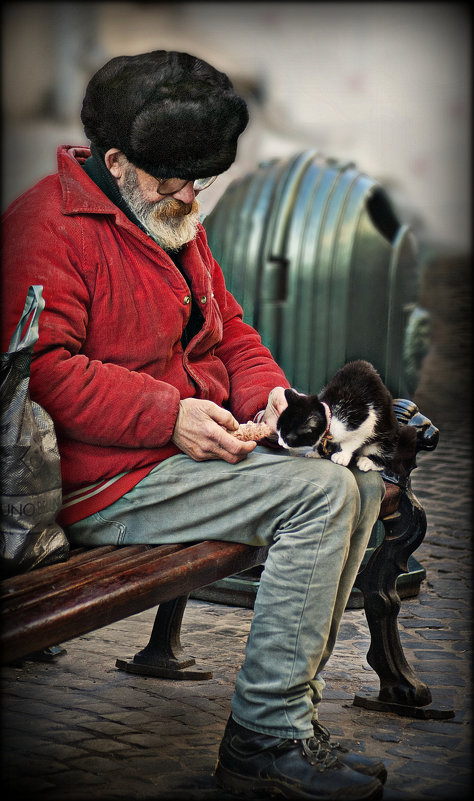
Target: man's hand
200,432
275,405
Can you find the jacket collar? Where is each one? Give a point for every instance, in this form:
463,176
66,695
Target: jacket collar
80,194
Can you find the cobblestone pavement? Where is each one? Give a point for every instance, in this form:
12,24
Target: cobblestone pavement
79,729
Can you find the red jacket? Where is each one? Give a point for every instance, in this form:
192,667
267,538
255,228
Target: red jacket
109,366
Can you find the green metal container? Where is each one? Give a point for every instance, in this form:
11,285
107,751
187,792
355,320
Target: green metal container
314,252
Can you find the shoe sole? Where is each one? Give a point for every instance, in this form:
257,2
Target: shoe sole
244,785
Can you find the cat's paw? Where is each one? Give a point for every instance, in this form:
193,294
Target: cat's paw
313,455
341,457
365,464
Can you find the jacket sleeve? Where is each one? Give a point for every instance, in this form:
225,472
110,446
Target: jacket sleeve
90,401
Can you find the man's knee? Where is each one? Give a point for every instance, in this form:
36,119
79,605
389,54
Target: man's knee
354,489
333,483
345,488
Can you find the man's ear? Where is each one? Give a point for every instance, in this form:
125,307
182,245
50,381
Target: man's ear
112,162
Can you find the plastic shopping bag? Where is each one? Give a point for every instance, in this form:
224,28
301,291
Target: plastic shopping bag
30,474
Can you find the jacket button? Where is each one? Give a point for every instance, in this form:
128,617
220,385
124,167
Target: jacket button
187,299
203,299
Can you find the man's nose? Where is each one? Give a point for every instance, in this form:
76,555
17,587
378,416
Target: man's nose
186,194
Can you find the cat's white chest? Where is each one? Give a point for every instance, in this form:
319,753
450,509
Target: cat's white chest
350,439
354,437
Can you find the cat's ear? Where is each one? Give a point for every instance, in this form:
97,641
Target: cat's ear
291,395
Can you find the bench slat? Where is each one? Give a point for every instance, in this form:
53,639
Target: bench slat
93,573
101,600
29,579
75,571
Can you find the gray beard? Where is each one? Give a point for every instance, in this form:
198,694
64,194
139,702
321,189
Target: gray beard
169,232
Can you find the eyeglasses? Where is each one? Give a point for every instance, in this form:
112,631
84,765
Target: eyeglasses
170,186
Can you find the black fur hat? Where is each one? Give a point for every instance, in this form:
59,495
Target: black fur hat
172,114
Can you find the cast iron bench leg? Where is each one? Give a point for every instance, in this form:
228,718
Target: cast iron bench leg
400,689
404,531
164,656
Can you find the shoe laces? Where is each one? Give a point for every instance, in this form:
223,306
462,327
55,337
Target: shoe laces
322,735
318,756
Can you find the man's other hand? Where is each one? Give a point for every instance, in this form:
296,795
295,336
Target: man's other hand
275,406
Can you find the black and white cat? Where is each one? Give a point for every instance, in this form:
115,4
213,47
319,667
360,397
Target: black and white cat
351,418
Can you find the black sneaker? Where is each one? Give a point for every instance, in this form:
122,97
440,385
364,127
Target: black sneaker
370,766
250,762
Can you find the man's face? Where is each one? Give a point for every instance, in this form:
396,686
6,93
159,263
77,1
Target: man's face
170,220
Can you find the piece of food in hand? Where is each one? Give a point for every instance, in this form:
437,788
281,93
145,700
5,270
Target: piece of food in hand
250,431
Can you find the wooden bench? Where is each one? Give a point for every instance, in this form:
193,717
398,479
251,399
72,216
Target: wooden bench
98,586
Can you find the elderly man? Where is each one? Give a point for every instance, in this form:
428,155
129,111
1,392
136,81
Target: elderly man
146,367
